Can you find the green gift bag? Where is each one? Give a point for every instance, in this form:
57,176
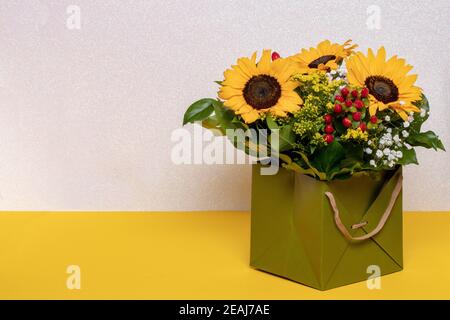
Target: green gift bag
326,234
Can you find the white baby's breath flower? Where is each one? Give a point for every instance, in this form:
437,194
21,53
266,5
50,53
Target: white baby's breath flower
368,151
408,146
405,134
369,143
388,130
386,151
379,153
423,113
399,154
410,119
372,163
396,138
391,164
406,124
387,118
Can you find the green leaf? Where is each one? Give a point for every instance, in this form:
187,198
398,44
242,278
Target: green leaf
409,157
317,173
224,115
212,124
199,111
340,128
287,138
353,153
426,139
285,158
329,157
271,124
239,124
416,125
346,172
295,167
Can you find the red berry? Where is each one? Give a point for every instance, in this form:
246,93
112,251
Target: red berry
337,108
359,104
364,92
363,126
328,118
275,56
329,129
348,103
355,93
345,92
328,138
373,119
356,116
339,98
346,122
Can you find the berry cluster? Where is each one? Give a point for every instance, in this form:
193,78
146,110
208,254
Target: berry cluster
349,111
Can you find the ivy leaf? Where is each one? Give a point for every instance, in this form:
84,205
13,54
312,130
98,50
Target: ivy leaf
409,157
199,111
416,125
427,140
329,157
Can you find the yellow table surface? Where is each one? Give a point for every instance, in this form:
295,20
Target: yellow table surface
198,255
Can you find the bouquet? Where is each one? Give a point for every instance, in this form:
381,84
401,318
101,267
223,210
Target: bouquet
329,112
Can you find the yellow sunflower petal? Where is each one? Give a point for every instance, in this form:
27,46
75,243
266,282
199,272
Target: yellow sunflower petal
265,62
247,67
235,103
251,116
227,92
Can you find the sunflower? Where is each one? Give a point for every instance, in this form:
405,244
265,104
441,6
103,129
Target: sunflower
388,82
326,57
251,88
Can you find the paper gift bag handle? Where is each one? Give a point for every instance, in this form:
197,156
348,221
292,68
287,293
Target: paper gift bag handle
379,227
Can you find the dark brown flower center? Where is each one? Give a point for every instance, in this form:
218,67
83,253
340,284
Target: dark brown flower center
382,88
322,60
262,92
